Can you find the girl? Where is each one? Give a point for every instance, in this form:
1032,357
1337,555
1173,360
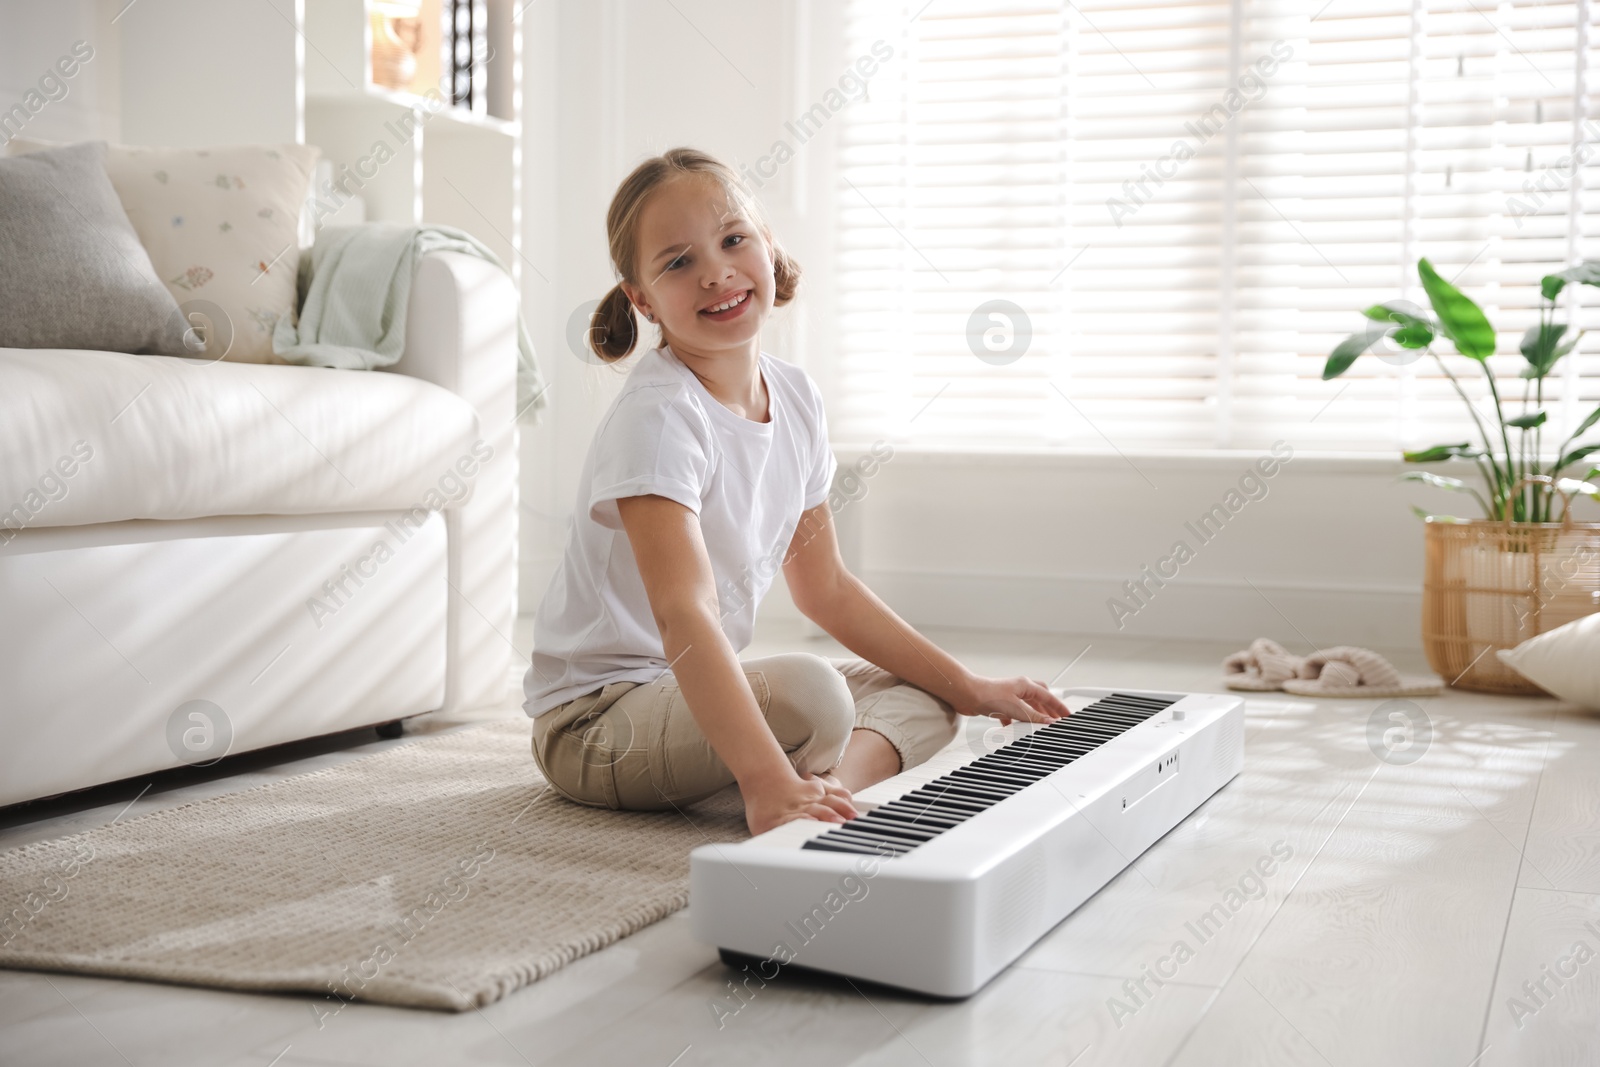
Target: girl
709,471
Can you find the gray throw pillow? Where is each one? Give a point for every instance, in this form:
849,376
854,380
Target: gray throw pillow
72,271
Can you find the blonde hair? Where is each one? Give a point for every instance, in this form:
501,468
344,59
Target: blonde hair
613,330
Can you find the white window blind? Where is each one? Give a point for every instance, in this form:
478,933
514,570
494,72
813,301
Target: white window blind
1035,152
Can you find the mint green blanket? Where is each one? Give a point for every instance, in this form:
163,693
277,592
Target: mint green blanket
354,290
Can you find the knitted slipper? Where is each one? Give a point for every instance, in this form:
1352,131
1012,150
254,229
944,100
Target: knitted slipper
1261,668
1347,671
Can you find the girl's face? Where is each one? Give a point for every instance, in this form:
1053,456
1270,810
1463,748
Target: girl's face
704,267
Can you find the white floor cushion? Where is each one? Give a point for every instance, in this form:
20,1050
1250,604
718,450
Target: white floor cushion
91,437
1564,662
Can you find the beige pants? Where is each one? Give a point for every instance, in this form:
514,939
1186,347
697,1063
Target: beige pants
637,747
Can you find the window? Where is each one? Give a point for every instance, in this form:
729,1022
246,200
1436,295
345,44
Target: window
1190,203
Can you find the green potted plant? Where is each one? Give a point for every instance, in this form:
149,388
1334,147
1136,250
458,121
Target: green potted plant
1515,572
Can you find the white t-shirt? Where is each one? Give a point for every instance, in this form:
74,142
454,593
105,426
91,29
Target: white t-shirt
748,481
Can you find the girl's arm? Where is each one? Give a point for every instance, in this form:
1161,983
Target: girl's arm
839,602
676,569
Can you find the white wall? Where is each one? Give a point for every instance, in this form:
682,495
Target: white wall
33,36
1323,552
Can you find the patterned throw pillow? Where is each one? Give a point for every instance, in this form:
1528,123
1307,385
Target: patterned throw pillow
221,226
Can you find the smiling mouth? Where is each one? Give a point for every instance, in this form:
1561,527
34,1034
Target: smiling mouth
732,306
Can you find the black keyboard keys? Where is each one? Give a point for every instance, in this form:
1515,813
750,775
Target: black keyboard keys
895,828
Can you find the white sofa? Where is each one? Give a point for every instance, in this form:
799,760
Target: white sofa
207,558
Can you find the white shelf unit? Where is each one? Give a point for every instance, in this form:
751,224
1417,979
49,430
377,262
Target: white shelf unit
271,71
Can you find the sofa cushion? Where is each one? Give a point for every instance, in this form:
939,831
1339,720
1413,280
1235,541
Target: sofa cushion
222,227
90,437
72,270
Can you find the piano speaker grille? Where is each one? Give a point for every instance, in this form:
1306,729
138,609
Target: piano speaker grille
1019,899
1229,740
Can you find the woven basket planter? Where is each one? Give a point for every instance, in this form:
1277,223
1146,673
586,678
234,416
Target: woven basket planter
1491,585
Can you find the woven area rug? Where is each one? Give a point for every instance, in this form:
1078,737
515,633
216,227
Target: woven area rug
442,873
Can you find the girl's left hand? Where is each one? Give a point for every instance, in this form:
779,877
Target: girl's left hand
1006,699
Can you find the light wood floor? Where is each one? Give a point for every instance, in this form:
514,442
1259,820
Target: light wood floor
1416,902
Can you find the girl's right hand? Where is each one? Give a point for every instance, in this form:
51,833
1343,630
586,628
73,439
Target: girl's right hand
783,800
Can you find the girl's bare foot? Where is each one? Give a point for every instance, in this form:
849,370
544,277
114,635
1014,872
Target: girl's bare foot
869,758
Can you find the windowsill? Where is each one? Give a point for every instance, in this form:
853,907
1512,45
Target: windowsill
1089,459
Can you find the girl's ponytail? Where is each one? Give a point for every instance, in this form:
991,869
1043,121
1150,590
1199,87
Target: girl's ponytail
613,331
785,275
